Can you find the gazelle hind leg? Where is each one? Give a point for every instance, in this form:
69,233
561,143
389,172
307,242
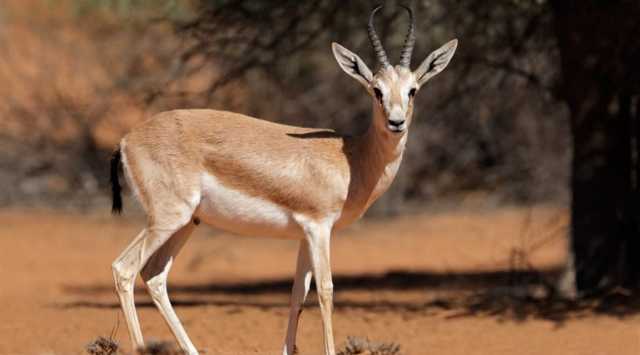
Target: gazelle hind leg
301,285
169,198
155,274
127,266
125,269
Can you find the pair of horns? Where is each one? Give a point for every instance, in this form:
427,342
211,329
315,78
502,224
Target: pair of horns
407,49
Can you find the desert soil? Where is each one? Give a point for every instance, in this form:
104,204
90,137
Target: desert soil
436,283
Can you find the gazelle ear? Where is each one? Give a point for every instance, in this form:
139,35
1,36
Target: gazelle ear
352,64
435,62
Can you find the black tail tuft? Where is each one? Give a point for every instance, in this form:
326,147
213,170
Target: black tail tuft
116,189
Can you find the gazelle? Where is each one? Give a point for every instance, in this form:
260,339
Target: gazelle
253,177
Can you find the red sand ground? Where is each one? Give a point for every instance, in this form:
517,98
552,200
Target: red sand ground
58,295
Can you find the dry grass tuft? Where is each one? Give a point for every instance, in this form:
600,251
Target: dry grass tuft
359,346
160,348
102,346
108,346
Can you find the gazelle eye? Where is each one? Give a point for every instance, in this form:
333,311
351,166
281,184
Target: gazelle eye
412,92
378,94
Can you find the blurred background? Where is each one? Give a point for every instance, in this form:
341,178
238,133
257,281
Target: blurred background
537,114
77,75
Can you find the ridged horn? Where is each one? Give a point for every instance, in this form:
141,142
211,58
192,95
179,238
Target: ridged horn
410,40
375,41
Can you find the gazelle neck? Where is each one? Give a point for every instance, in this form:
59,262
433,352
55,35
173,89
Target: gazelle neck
375,158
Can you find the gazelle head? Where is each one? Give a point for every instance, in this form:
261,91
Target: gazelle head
393,88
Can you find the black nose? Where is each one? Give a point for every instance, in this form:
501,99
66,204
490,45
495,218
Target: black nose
396,123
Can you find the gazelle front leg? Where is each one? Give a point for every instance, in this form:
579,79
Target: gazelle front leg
301,285
318,237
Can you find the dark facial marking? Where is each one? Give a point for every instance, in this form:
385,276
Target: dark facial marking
378,94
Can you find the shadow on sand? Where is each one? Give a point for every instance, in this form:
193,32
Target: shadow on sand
514,295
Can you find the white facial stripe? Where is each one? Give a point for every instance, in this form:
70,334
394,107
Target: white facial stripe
383,87
407,85
405,96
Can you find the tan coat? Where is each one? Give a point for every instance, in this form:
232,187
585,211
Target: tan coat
312,172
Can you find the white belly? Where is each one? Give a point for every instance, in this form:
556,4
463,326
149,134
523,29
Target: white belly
239,213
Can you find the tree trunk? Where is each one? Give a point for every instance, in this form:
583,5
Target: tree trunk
600,57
